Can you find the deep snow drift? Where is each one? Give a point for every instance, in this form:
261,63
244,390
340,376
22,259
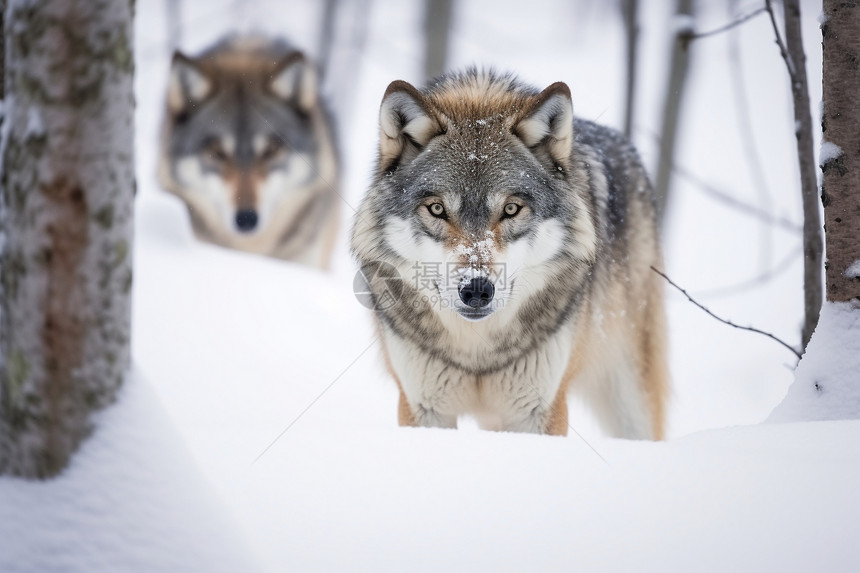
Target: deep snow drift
827,384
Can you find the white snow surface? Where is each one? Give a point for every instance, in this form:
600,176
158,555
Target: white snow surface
827,386
131,500
853,270
828,152
258,430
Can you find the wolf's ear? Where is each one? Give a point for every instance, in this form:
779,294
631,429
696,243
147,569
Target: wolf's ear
405,124
548,125
295,81
187,85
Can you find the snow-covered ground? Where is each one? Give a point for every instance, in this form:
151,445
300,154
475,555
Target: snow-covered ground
258,431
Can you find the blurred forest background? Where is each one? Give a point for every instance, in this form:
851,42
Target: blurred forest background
700,87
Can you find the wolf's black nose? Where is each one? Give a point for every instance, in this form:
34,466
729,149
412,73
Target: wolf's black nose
477,293
246,220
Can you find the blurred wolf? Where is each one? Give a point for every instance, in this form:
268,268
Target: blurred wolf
507,246
248,145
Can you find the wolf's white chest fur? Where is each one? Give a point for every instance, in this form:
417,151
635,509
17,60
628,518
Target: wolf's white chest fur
516,398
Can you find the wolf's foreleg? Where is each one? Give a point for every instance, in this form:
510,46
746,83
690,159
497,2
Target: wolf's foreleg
530,395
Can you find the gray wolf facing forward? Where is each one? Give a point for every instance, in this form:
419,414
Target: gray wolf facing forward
517,240
248,146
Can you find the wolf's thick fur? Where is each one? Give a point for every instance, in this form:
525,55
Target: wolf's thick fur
248,145
480,176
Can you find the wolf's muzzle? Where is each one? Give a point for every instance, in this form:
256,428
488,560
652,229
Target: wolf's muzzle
477,293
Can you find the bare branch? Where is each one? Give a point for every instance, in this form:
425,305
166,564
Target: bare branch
723,320
783,51
758,280
731,200
740,20
747,137
735,203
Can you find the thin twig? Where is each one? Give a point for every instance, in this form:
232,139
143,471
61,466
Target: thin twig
736,203
727,27
783,51
729,199
723,320
759,280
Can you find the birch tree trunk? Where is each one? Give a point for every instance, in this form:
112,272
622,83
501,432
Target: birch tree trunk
66,212
840,126
826,386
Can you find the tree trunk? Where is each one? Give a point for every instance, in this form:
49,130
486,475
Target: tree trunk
341,69
326,41
812,243
826,385
683,29
2,53
437,27
840,126
66,200
173,17
629,9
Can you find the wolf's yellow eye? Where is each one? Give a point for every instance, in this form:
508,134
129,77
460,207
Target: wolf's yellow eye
436,209
512,209
215,151
273,146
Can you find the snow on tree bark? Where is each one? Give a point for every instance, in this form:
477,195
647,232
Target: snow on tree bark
66,200
825,385
840,126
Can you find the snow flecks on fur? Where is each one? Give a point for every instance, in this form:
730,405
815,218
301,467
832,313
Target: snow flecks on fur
853,270
469,273
480,249
478,253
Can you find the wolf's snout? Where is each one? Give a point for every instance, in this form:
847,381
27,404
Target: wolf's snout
246,220
477,293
